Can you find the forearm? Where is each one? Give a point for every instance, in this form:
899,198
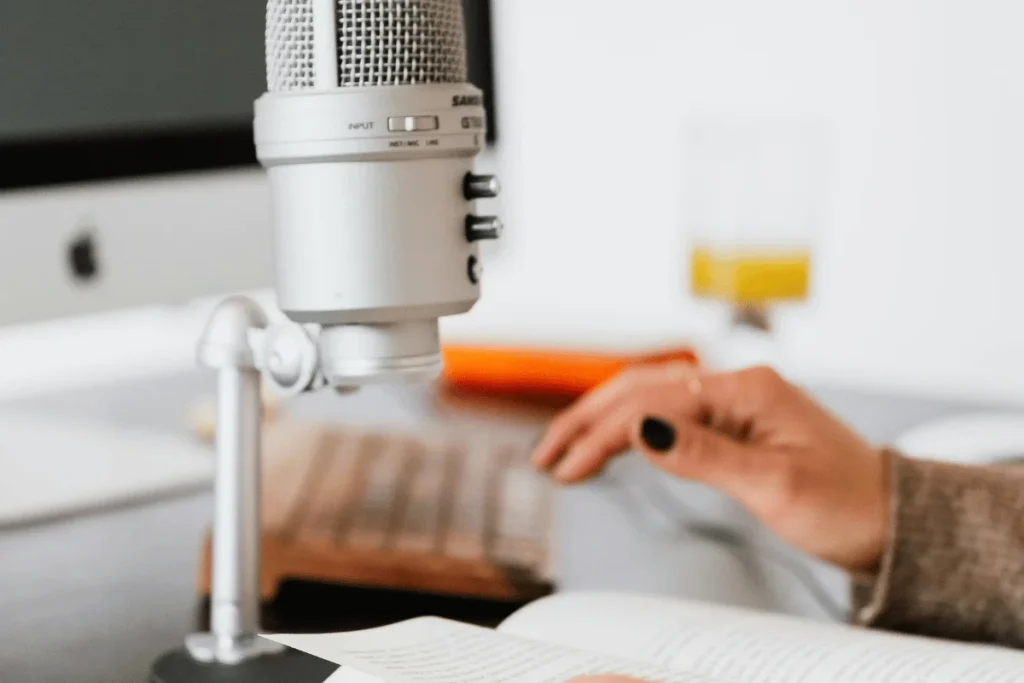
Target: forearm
954,565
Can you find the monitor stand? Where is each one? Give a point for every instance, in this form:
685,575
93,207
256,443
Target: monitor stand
55,467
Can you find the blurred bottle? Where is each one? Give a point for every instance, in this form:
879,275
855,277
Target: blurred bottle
754,191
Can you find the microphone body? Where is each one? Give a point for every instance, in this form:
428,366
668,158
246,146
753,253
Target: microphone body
369,133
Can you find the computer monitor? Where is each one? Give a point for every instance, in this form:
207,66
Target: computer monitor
127,167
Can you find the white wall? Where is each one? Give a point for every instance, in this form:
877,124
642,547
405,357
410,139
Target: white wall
919,273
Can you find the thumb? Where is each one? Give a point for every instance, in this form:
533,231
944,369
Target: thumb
692,451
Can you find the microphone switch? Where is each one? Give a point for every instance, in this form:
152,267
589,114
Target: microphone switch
413,124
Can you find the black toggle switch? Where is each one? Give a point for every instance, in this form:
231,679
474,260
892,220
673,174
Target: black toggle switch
483,228
481,186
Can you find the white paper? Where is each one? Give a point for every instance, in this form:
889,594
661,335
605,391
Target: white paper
748,647
347,674
430,650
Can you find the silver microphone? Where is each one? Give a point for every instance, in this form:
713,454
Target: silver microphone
368,132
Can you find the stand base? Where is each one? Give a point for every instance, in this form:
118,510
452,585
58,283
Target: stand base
291,667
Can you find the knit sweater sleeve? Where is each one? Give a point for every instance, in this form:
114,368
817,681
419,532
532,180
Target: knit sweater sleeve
954,564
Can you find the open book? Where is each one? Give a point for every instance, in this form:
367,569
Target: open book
653,639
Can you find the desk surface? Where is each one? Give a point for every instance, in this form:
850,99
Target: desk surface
95,599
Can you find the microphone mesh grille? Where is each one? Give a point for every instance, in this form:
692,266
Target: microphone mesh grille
400,42
380,42
290,49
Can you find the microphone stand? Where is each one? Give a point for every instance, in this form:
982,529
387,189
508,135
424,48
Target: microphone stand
239,346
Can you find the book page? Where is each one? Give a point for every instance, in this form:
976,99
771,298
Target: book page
347,674
752,647
431,650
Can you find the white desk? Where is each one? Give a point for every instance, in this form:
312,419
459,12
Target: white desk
96,599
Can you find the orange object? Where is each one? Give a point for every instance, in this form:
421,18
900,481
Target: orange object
540,371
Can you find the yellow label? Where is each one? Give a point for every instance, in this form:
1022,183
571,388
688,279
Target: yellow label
749,276
701,275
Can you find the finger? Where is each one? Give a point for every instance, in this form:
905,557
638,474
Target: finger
728,425
572,422
560,434
606,439
743,397
731,403
727,402
693,452
569,424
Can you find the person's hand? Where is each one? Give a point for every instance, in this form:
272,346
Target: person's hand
751,435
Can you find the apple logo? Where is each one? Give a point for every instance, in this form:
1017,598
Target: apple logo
82,258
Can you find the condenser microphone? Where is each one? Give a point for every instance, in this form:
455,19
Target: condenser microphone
368,133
